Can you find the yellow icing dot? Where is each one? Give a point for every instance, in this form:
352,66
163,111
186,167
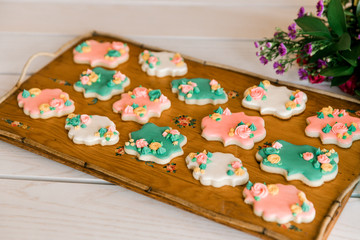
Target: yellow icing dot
324,150
64,97
247,92
86,49
179,64
77,127
139,110
145,56
354,124
34,91
296,209
192,155
197,169
327,110
239,172
215,87
93,77
339,135
132,144
273,189
231,132
296,91
97,134
215,116
273,158
117,80
155,145
302,196
122,51
290,104
202,171
266,83
189,95
346,134
131,140
71,115
108,134
127,143
332,150
44,107
327,167
175,143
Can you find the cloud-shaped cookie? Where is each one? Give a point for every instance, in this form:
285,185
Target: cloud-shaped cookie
141,104
91,129
157,144
45,103
102,84
104,54
279,203
334,126
217,169
278,101
233,128
162,64
308,164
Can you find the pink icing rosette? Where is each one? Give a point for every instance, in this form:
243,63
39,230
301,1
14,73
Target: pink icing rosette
236,165
111,128
343,112
277,145
140,143
88,71
336,112
176,60
117,45
243,131
140,92
227,112
298,98
129,109
308,156
323,158
84,80
85,119
186,88
257,93
259,190
174,132
163,98
119,75
213,82
57,103
164,134
201,158
152,60
339,128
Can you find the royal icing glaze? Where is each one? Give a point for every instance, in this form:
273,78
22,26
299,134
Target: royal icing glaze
45,103
141,104
217,169
162,64
271,100
100,83
199,91
153,143
233,128
279,203
334,126
313,166
105,54
91,129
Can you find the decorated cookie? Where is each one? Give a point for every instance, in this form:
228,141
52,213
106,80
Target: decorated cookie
91,129
308,164
45,103
334,126
157,144
104,54
141,104
279,203
199,91
162,64
102,84
217,169
233,128
278,101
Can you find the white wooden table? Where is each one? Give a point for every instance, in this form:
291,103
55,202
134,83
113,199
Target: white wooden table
41,199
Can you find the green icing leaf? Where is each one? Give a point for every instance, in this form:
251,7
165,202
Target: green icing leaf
154,94
252,127
74,121
261,85
145,150
327,128
241,123
251,135
271,150
113,53
249,185
83,126
25,94
330,116
174,137
134,105
352,128
340,115
209,154
257,198
230,172
219,110
292,97
202,166
248,98
316,164
161,151
110,83
196,89
305,207
320,115
219,91
193,160
102,131
68,103
263,98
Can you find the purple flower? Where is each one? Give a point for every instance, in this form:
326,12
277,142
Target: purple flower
257,54
321,64
268,44
303,74
308,48
301,12
282,49
319,8
280,69
292,31
256,44
263,60
275,34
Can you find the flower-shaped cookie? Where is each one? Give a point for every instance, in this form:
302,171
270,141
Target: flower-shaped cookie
141,104
199,91
102,84
233,128
278,101
153,143
91,129
279,203
105,54
334,126
162,64
217,169
308,164
45,103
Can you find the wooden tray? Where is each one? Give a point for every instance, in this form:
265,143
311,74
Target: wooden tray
224,205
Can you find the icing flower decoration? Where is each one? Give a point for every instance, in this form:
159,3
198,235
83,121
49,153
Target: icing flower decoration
273,189
327,167
140,143
85,119
274,158
277,145
243,131
308,156
339,128
85,80
140,92
327,110
129,109
57,103
323,158
296,209
201,158
259,191
236,164
227,112
155,146
257,93
34,92
290,105
177,59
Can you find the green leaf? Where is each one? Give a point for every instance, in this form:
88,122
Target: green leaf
336,17
344,42
313,24
357,92
323,53
337,71
358,14
336,81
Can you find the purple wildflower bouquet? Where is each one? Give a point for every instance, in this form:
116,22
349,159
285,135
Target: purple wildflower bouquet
326,46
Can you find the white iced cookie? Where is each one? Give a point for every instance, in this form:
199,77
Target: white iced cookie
162,64
217,169
278,101
91,129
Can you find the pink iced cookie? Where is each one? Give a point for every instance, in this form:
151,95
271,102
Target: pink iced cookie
45,103
334,126
104,54
141,104
279,203
233,128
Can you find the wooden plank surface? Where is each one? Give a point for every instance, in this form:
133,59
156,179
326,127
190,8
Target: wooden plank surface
64,62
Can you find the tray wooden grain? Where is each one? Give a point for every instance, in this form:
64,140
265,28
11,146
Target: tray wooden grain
224,205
